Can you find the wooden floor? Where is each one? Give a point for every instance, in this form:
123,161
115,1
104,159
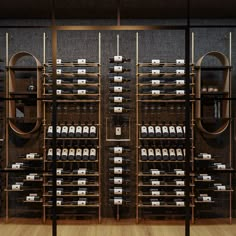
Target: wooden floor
116,230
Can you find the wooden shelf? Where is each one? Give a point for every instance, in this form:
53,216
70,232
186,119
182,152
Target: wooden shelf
24,68
165,64
72,64
74,206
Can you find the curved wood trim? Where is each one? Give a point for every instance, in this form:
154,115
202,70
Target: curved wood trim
224,61
12,88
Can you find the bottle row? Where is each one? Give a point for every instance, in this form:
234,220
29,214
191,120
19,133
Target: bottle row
165,131
73,131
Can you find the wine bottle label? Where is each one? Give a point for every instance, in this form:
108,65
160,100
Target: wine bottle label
118,180
16,187
180,82
118,58
81,171
179,152
59,202
180,204
156,82
81,61
155,182
221,187
179,72
58,81
64,152
179,61
85,129
118,89
184,152
59,171
118,68
78,152
92,129
179,129
179,193
85,152
165,130
81,81
50,152
30,155
172,129
181,92
118,201
206,156
81,71
158,129
155,193
150,129
179,183
206,199
30,177
156,203
58,61
30,198
221,166
81,202
143,152
118,170
72,129
49,129
58,91
79,129
158,152
59,192
155,72
206,177
58,151
155,172
172,151
118,190
118,131
81,192
118,160
165,152
118,79
143,129
65,129
156,92
58,129
71,152
81,182
118,99
15,166
81,91
150,152
156,61
59,182
118,109
179,172
118,150
92,152
58,71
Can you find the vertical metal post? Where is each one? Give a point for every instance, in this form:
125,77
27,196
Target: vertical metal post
118,45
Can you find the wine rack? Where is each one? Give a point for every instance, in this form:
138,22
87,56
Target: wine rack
78,137
161,128
117,135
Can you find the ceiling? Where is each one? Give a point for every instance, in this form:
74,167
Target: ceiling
136,9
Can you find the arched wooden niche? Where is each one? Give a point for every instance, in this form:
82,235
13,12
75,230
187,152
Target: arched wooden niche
13,92
221,94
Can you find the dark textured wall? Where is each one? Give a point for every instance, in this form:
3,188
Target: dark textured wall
166,45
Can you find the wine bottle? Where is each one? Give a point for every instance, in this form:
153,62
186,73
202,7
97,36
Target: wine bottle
118,69
144,131
119,191
71,155
64,154
119,201
118,89
118,79
119,109
119,99
50,131
84,91
165,131
64,131
151,154
151,132
158,132
93,154
119,160
118,180
58,131
85,132
118,150
80,81
179,154
79,154
117,170
119,59
92,131
50,154
80,71
158,155
71,132
204,156
143,154
172,131
179,131
78,132
172,154
165,154
85,154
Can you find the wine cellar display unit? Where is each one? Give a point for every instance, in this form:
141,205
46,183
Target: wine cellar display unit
117,133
